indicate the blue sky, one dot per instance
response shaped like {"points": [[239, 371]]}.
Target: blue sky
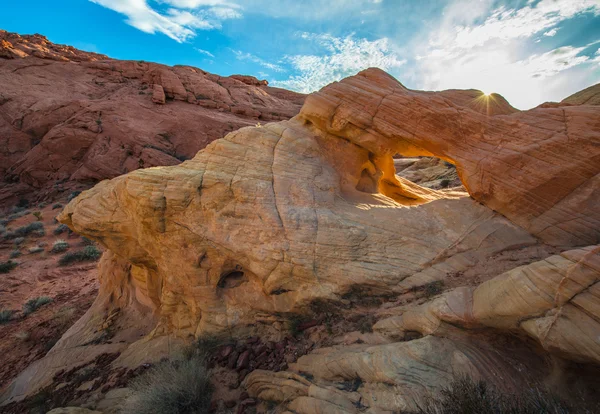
{"points": [[530, 51]]}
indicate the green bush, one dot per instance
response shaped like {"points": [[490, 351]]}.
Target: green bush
{"points": [[15, 253], [171, 387], [35, 228], [38, 215], [5, 316], [18, 240], [88, 254], [87, 242], [73, 195], [61, 229], [34, 304], [466, 396], [59, 246], [57, 206], [6, 267]]}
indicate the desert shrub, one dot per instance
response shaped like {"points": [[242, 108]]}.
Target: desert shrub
{"points": [[38, 215], [87, 254], [2, 229], [17, 210], [466, 396], [171, 387], [6, 267], [18, 240], [445, 183], [73, 195], [42, 205], [57, 206], [36, 249], [5, 316], [35, 228], [34, 304], [59, 246], [14, 216], [4, 222], [433, 288], [61, 229], [15, 253], [23, 203], [87, 242]]}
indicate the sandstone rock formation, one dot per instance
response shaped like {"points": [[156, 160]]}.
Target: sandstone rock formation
{"points": [[71, 116], [274, 220]]}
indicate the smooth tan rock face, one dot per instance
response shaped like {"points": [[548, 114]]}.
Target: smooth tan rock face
{"points": [[269, 219]]}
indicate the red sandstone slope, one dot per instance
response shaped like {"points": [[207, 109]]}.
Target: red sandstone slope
{"points": [[68, 116]]}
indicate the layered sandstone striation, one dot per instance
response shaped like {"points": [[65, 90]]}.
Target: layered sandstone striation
{"points": [[68, 116], [273, 220]]}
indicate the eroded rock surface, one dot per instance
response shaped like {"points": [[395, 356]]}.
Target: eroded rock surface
{"points": [[270, 220], [78, 117]]}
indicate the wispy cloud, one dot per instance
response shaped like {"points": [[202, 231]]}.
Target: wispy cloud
{"points": [[487, 48], [342, 57], [204, 52], [252, 58], [179, 22], [555, 61]]}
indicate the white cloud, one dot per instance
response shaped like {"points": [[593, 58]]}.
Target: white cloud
{"points": [[204, 52], [508, 24], [345, 57], [554, 61], [250, 57], [194, 4], [485, 48], [175, 22]]}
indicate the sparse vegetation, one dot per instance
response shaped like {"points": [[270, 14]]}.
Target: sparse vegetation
{"points": [[57, 206], [6, 267], [42, 205], [88, 254], [61, 229], [5, 316], [36, 249], [467, 396], [171, 387], [15, 253], [430, 289], [36, 228], [434, 288], [87, 242], [73, 195], [18, 241], [23, 203], [445, 183], [38, 215], [59, 246], [34, 304]]}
